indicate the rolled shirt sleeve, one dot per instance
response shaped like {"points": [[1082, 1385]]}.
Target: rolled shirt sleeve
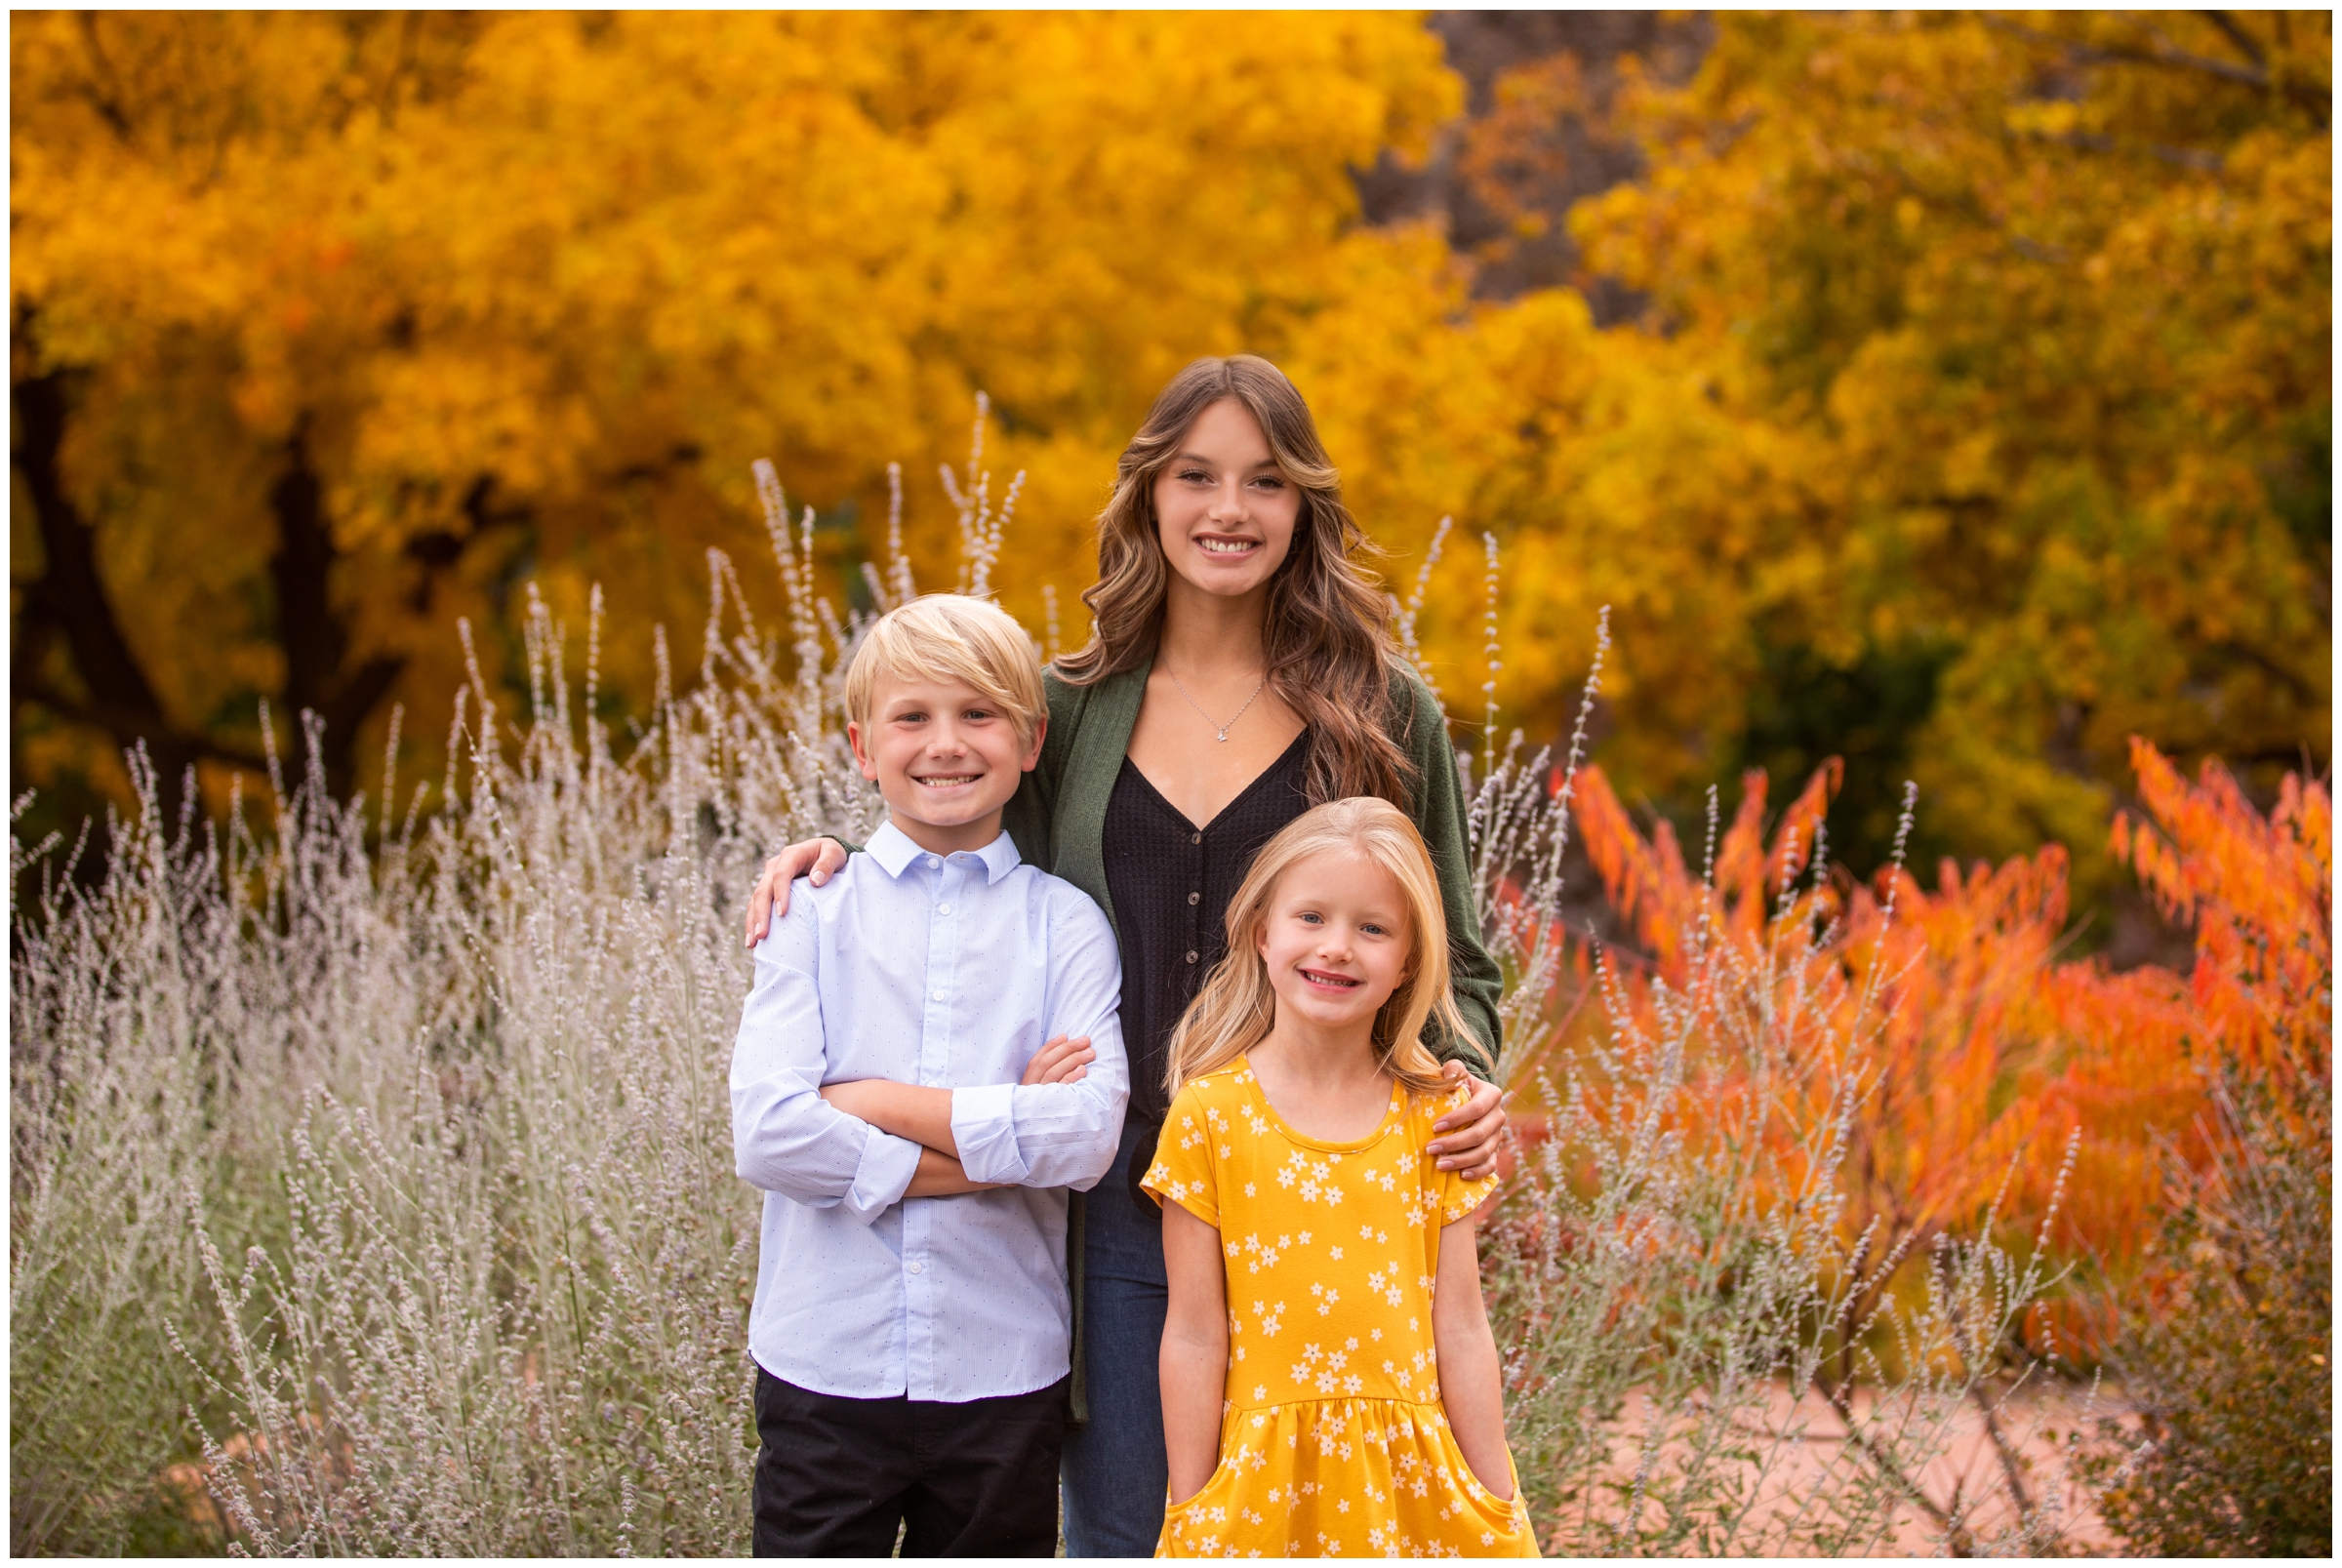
{"points": [[785, 1138], [1058, 1133]]}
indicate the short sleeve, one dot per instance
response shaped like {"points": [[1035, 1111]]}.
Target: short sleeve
{"points": [[1183, 1169], [1446, 1192]]}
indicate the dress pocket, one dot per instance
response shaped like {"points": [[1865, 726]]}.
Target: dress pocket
{"points": [[1198, 1525], [1478, 1489], [1218, 1481]]}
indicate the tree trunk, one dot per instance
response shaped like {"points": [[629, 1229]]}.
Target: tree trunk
{"points": [[68, 602], [314, 637]]}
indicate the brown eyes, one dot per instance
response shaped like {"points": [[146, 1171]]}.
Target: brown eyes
{"points": [[1268, 481]]}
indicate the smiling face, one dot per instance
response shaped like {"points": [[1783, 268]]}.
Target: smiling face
{"points": [[944, 756], [1336, 940], [1224, 512]]}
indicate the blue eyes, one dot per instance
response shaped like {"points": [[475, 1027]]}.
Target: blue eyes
{"points": [[1313, 917]]}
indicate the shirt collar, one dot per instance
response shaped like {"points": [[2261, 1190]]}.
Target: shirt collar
{"points": [[896, 852]]}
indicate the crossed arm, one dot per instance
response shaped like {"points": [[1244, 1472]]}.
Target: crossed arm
{"points": [[866, 1144], [923, 1115]]}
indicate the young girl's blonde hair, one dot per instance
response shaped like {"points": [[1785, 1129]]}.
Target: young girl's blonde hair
{"points": [[1237, 1008]]}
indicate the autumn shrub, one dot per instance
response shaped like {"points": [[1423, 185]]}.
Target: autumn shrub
{"points": [[2162, 1136], [2224, 1335], [1687, 1252]]}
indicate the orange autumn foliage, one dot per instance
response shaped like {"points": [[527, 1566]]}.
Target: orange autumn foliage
{"points": [[1990, 1058]]}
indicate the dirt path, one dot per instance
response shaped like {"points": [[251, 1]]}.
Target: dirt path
{"points": [[1970, 1481]]}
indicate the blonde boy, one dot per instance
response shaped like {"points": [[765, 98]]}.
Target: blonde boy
{"points": [[929, 1059]]}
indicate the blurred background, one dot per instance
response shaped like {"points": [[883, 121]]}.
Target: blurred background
{"points": [[1950, 393], [1939, 397]]}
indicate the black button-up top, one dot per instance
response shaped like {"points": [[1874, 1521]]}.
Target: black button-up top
{"points": [[1171, 881]]}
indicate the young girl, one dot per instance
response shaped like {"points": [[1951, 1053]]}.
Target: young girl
{"points": [[1330, 1386]]}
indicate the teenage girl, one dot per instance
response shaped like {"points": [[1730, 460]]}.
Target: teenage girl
{"points": [[1330, 1385], [1240, 669]]}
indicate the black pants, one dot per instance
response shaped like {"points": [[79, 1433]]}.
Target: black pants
{"points": [[837, 1476]]}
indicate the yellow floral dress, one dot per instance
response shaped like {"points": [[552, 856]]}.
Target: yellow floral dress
{"points": [[1332, 1441]]}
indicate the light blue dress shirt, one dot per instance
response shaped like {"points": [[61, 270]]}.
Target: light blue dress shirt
{"points": [[949, 970]]}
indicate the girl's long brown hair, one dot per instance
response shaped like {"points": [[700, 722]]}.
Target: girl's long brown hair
{"points": [[1327, 633], [1236, 1007]]}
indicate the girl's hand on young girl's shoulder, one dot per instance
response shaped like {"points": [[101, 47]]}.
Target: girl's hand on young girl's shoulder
{"points": [[1470, 1135]]}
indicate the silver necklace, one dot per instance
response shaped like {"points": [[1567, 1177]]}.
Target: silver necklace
{"points": [[1198, 706]]}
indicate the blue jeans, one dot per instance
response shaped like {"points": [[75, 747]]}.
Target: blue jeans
{"points": [[1115, 1472]]}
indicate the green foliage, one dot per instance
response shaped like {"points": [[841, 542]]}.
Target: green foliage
{"points": [[1806, 707]]}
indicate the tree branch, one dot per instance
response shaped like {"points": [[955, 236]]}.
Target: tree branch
{"points": [[2000, 1446], [2247, 45], [2171, 58], [31, 688], [1889, 1468]]}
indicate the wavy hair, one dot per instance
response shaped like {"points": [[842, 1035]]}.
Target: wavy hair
{"points": [[1236, 1007], [1326, 637]]}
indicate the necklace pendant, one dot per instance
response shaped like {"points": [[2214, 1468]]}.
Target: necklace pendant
{"points": [[1222, 734]]}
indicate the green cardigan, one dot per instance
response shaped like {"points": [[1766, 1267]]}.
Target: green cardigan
{"points": [[1057, 819]]}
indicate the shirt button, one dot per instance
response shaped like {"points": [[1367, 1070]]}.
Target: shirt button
{"points": [[1197, 839], [945, 908], [913, 1268], [938, 996], [934, 861], [1192, 897], [1190, 955]]}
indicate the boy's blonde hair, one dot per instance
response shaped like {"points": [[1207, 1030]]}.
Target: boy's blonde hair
{"points": [[950, 636], [1235, 1009]]}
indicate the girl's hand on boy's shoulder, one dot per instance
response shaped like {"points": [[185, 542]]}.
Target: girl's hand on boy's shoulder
{"points": [[818, 859], [1065, 1059]]}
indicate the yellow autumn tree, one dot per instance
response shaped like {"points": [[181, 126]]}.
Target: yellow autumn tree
{"points": [[1977, 417], [330, 329]]}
